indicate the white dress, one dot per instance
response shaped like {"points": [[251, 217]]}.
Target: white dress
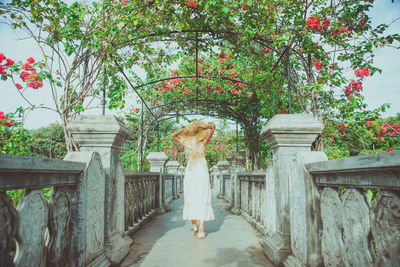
{"points": [[196, 184]]}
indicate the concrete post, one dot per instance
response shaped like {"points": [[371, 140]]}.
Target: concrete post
{"points": [[105, 135], [157, 162], [181, 172], [237, 161], [223, 166], [287, 134], [172, 167]]}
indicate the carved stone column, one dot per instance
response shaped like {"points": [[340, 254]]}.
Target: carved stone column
{"points": [[157, 164], [236, 160], [157, 161], [105, 135], [223, 166], [287, 134], [172, 167], [181, 172]]}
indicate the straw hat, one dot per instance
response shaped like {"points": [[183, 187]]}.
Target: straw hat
{"points": [[192, 131]]}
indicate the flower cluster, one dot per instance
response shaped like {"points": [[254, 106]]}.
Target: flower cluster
{"points": [[362, 72], [29, 75], [218, 147], [4, 66], [5, 120], [318, 64], [315, 24], [341, 129], [353, 88], [384, 128], [192, 3]]}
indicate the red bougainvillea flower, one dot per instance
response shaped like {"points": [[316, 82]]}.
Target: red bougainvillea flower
{"points": [[233, 91], [343, 30], [330, 138], [326, 23], [190, 92], [335, 32], [9, 62], [2, 117], [368, 123], [2, 57], [124, 2], [30, 60], [365, 72], [392, 132], [381, 138], [359, 73], [244, 7], [384, 128], [313, 23], [18, 86], [165, 150], [208, 87], [2, 71], [390, 149], [219, 89], [26, 66], [318, 64], [274, 36], [192, 3], [137, 110]]}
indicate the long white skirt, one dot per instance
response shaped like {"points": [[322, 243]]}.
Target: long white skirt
{"points": [[197, 192]]}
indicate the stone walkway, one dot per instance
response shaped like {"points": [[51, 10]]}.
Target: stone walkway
{"points": [[167, 240]]}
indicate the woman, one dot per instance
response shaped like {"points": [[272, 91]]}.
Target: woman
{"points": [[196, 186]]}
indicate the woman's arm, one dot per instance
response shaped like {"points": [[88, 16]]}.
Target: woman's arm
{"points": [[210, 133], [175, 136]]}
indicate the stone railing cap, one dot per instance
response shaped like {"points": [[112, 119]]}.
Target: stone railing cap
{"points": [[293, 123], [157, 156], [98, 124], [173, 163]]}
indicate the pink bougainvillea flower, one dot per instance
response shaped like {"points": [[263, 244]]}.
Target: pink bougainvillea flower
{"points": [[192, 3], [190, 92], [9, 62], [26, 66], [359, 73], [384, 128], [18, 86], [368, 123], [390, 149], [381, 138], [2, 117], [30, 60]]}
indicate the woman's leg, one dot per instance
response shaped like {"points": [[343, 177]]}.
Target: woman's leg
{"points": [[195, 230], [201, 230]]}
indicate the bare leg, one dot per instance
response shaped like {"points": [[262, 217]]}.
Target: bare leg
{"points": [[195, 230], [201, 230]]}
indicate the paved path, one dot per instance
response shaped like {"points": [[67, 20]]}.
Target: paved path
{"points": [[167, 240]]}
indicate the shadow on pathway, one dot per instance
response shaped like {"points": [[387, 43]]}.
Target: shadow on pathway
{"points": [[167, 240]]}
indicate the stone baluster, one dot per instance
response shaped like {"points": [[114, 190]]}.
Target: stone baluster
{"points": [[236, 160], [181, 172], [223, 166], [105, 135], [172, 167], [158, 161], [287, 134], [214, 171]]}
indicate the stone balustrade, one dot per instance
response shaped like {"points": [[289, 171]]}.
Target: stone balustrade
{"points": [[252, 198], [169, 185], [67, 229], [354, 231], [141, 198]]}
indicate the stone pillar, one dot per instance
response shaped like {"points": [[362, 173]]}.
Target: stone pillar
{"points": [[157, 164], [236, 160], [157, 161], [214, 175], [222, 166], [172, 167], [287, 134], [105, 135], [181, 172]]}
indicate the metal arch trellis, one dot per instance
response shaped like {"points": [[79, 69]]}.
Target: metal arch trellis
{"points": [[197, 77]]}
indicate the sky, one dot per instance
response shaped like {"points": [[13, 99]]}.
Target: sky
{"points": [[378, 89]]}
